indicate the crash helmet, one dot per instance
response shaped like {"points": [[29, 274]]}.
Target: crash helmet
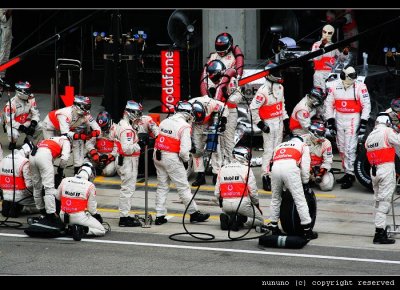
{"points": [[87, 171], [276, 76], [395, 105], [186, 109], [82, 105], [223, 44], [383, 118], [317, 130], [215, 70], [26, 149], [133, 110], [316, 97], [104, 121], [327, 32], [23, 90], [199, 112], [242, 154]]}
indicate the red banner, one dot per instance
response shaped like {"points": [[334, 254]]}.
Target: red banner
{"points": [[170, 80]]}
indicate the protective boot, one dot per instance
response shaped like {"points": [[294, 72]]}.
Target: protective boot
{"points": [[340, 180], [266, 180], [200, 179], [10, 209], [129, 222], [347, 181], [197, 216], [215, 178], [78, 231], [381, 237], [308, 233], [274, 228], [224, 220], [160, 220]]}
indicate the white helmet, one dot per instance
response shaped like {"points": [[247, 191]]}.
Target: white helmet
{"points": [[87, 171], [242, 154], [23, 90], [133, 110], [383, 118], [327, 32], [25, 150], [82, 105], [186, 109], [276, 76]]}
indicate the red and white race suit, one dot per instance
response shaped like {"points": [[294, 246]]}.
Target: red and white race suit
{"points": [[291, 169], [321, 156], [174, 143], [269, 106], [234, 181], [348, 107]]}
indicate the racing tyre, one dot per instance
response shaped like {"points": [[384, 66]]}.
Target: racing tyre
{"points": [[289, 217]]}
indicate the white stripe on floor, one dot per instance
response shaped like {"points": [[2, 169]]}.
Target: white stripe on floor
{"points": [[221, 250]]}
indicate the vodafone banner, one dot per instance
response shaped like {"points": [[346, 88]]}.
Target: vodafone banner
{"points": [[170, 80]]}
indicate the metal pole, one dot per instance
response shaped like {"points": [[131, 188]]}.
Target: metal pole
{"points": [[52, 94], [146, 193]]}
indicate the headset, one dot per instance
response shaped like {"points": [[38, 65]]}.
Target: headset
{"points": [[343, 74]]}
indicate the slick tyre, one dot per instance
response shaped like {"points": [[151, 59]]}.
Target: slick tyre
{"points": [[289, 217], [362, 169]]}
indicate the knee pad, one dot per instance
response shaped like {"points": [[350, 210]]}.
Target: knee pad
{"points": [[10, 209]]}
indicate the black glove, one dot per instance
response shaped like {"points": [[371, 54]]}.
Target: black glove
{"points": [[33, 124], [286, 126], [306, 188], [22, 128], [143, 139], [323, 43], [98, 217], [60, 171], [225, 92], [363, 127], [331, 125], [263, 127], [186, 165], [30, 130], [222, 126]]}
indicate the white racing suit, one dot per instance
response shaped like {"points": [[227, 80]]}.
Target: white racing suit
{"points": [[5, 38], [291, 169], [235, 96], [300, 120], [22, 113], [322, 157], [231, 186], [129, 151], [65, 121], [199, 138], [78, 199], [269, 106], [233, 60], [23, 179], [105, 144], [324, 64], [174, 143], [381, 154], [43, 171], [347, 106]]}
